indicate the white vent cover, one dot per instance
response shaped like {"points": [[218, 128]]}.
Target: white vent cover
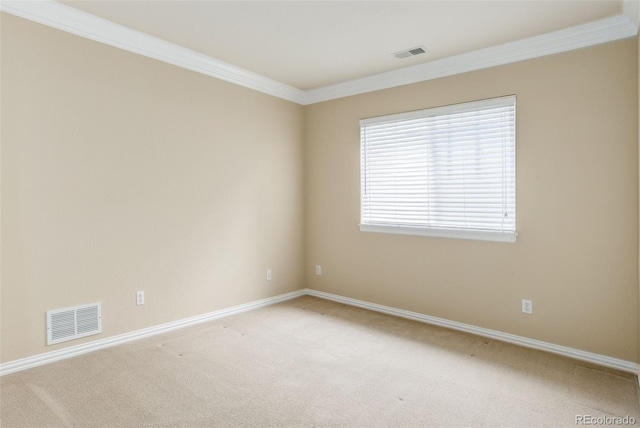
{"points": [[410, 52], [73, 323]]}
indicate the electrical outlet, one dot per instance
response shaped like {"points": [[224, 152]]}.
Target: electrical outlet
{"points": [[527, 307], [268, 274], [140, 298], [318, 270]]}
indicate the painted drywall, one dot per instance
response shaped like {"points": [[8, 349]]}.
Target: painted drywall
{"points": [[576, 256], [121, 173]]}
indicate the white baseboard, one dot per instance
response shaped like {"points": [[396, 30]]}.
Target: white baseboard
{"points": [[73, 351], [577, 354]]}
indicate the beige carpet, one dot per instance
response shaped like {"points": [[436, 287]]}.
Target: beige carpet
{"points": [[313, 363]]}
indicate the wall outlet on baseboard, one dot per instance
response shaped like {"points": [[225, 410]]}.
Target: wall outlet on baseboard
{"points": [[527, 307], [140, 298]]}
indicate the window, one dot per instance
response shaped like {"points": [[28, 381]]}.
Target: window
{"points": [[446, 171]]}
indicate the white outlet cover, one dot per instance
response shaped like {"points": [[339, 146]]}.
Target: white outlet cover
{"points": [[527, 306]]}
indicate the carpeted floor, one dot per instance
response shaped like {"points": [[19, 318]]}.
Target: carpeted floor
{"points": [[313, 363]]}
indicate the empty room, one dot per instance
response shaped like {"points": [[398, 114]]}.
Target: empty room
{"points": [[319, 213]]}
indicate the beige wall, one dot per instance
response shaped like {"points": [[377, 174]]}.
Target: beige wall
{"points": [[577, 207], [121, 173]]}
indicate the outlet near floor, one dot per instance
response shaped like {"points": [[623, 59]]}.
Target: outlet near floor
{"points": [[527, 307]]}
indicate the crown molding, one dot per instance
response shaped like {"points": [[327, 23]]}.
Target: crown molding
{"points": [[62, 17], [593, 33], [65, 18]]}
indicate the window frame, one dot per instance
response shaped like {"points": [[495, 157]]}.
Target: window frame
{"points": [[509, 236]]}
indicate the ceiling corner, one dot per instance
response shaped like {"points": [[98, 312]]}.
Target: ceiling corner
{"points": [[631, 8], [66, 18]]}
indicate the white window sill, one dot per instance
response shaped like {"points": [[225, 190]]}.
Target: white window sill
{"points": [[478, 235]]}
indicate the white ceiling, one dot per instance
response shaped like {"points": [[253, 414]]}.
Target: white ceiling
{"points": [[310, 44]]}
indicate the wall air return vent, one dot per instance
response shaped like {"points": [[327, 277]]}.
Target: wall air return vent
{"points": [[410, 52], [73, 323]]}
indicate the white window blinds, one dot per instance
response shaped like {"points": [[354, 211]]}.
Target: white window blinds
{"points": [[447, 171]]}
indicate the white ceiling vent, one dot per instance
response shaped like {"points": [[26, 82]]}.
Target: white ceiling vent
{"points": [[410, 52], [73, 323]]}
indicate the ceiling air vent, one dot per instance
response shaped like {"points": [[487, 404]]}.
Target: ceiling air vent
{"points": [[73, 323], [410, 52]]}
